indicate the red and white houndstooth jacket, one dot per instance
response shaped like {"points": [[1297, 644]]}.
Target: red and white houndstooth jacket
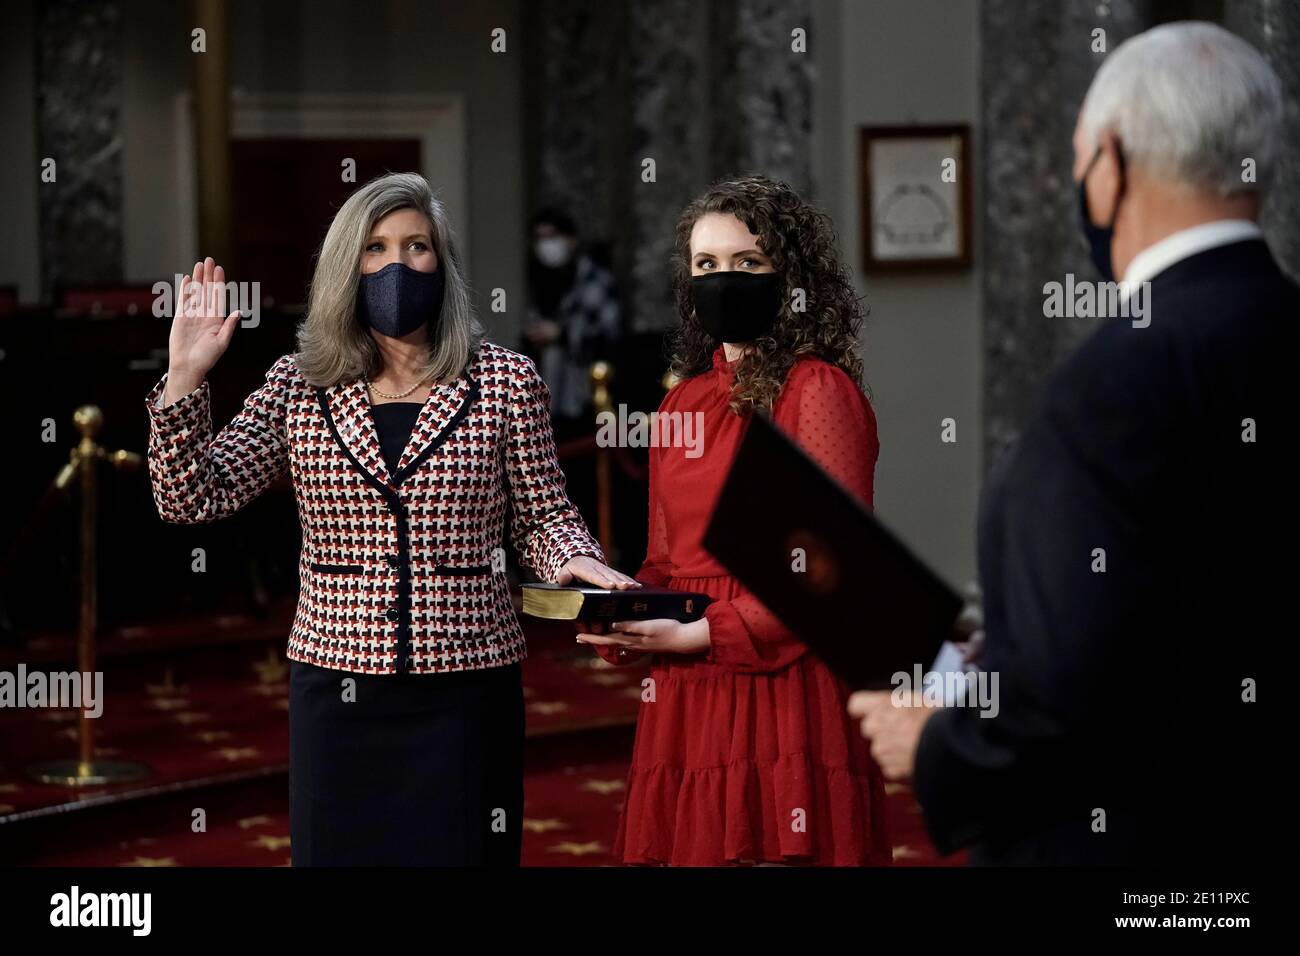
{"points": [[396, 570]]}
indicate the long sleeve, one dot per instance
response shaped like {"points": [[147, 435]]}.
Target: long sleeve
{"points": [[1090, 473], [197, 478], [828, 416], [547, 529]]}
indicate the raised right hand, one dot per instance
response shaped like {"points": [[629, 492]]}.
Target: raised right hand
{"points": [[200, 331]]}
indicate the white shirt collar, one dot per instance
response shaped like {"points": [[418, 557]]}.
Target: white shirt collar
{"points": [[1159, 256]]}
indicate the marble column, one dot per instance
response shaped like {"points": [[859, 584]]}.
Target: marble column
{"points": [[764, 88], [1037, 64], [671, 111], [79, 127], [576, 98], [1273, 27], [701, 89]]}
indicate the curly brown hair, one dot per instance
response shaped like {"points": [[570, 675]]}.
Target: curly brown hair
{"points": [[800, 241]]}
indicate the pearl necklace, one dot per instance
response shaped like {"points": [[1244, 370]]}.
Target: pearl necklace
{"points": [[385, 394]]}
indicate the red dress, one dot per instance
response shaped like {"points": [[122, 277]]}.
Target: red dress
{"points": [[747, 752]]}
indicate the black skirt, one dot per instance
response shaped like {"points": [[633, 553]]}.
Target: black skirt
{"points": [[416, 770]]}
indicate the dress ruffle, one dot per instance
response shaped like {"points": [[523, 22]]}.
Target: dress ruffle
{"points": [[733, 767]]}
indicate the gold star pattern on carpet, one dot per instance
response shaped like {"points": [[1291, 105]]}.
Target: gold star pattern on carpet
{"points": [[577, 849], [168, 687], [547, 708], [210, 736], [258, 821], [151, 861], [191, 717], [544, 826], [603, 787], [273, 843], [236, 753], [272, 670]]}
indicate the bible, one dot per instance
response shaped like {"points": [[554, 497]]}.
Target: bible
{"points": [[598, 605]]}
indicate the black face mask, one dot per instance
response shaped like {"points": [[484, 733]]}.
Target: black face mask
{"points": [[737, 306], [397, 299], [1099, 237]]}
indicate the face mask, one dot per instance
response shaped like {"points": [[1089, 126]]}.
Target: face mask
{"points": [[553, 251], [397, 299], [1099, 237], [737, 306]]}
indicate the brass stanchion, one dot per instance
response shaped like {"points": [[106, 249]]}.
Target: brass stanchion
{"points": [[86, 771], [601, 374]]}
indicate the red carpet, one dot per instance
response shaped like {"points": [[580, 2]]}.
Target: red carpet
{"points": [[211, 722]]}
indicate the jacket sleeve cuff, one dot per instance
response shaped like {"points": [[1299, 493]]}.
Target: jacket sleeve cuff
{"points": [[567, 546], [189, 406]]}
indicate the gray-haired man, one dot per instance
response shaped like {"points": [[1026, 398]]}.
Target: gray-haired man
{"points": [[1134, 545]]}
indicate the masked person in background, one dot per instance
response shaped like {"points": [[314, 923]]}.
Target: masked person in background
{"points": [[746, 753], [573, 318]]}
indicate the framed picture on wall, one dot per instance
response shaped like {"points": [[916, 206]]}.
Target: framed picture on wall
{"points": [[916, 200]]}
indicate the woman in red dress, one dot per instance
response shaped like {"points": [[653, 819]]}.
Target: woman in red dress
{"points": [[744, 752]]}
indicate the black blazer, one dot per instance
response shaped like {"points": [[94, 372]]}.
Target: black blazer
{"points": [[1122, 691]]}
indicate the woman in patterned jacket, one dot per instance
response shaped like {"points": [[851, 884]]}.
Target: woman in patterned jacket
{"points": [[406, 437]]}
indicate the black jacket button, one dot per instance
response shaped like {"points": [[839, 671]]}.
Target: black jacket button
{"points": [[392, 561], [391, 614]]}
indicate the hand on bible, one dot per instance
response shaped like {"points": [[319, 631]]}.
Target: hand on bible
{"points": [[587, 569]]}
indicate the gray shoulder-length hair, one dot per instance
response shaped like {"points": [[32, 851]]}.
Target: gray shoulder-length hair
{"points": [[333, 346]]}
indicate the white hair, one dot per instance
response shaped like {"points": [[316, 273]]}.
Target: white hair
{"points": [[1189, 103]]}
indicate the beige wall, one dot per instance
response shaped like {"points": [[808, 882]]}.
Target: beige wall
{"points": [[893, 62]]}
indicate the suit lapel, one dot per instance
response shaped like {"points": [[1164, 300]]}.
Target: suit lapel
{"points": [[350, 408], [437, 415]]}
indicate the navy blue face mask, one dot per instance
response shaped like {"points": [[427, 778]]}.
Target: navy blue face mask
{"points": [[397, 300], [1100, 237]]}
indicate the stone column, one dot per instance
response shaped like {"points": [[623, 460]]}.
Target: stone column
{"points": [[671, 108], [1037, 62], [576, 103], [79, 127], [763, 123], [1273, 27], [703, 90]]}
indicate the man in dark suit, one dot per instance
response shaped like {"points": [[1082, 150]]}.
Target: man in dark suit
{"points": [[1136, 545]]}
